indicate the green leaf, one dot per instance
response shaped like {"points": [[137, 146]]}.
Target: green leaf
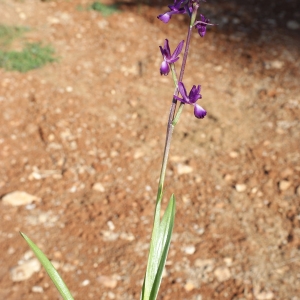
{"points": [[55, 277], [159, 247]]}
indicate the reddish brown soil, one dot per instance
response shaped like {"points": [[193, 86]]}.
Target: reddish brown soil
{"points": [[99, 116]]}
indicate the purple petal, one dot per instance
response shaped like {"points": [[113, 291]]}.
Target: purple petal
{"points": [[199, 111], [177, 50], [171, 60], [165, 17], [162, 51], [167, 49], [164, 68], [194, 94], [181, 100], [182, 91]]}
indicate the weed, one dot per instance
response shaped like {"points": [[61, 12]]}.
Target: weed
{"points": [[9, 33], [104, 9], [31, 57]]}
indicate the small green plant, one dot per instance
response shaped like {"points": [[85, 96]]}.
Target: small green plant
{"points": [[31, 57], [104, 9], [9, 33]]}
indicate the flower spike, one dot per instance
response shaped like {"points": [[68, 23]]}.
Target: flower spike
{"points": [[168, 58]]}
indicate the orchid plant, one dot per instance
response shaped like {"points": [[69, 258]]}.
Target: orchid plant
{"points": [[162, 227]]}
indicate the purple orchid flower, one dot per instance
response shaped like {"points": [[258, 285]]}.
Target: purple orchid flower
{"points": [[168, 58], [174, 9], [191, 99], [201, 25]]}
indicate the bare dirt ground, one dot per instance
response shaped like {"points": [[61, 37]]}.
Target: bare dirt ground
{"points": [[85, 135]]}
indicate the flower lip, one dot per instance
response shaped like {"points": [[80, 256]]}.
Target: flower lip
{"points": [[164, 68], [199, 112]]}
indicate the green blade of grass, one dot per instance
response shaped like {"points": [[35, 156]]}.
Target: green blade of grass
{"points": [[53, 274], [160, 244]]}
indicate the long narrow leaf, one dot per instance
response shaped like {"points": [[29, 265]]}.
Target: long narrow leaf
{"points": [[55, 277], [166, 229], [159, 247]]}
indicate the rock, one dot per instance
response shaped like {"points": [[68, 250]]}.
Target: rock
{"points": [[85, 282], [284, 185], [293, 25], [37, 289], [109, 236], [264, 296], [184, 169], [233, 154], [189, 249], [98, 187], [18, 198], [108, 281], [240, 188], [26, 270], [228, 261], [189, 286], [127, 236], [138, 154], [222, 274], [275, 64], [68, 267]]}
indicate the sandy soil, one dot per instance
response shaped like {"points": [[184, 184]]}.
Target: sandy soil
{"points": [[86, 134]]}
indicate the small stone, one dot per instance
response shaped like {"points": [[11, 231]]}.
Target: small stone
{"points": [[111, 295], [138, 154], [85, 282], [109, 236], [127, 236], [228, 261], [222, 274], [293, 25], [284, 185], [189, 286], [184, 169], [37, 289], [69, 89], [111, 225], [18, 198], [189, 249], [233, 154], [68, 267], [275, 64], [98, 187], [26, 270], [108, 281], [240, 188], [264, 296]]}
